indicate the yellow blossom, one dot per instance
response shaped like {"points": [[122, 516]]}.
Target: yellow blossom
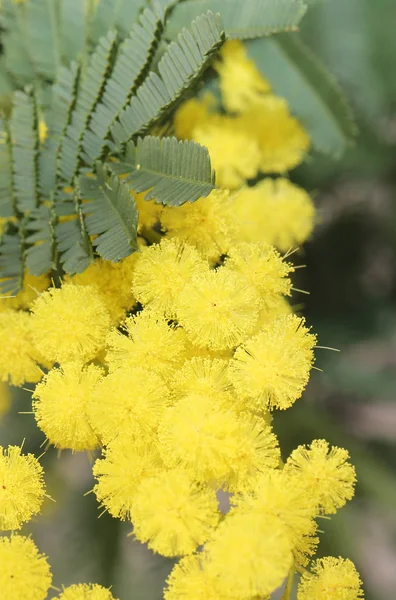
{"points": [[129, 401], [330, 579], [272, 368], [84, 591], [60, 406], [149, 211], [174, 514], [69, 323], [249, 555], [189, 579], [192, 114], [201, 375], [274, 211], [207, 224], [325, 473], [126, 462], [234, 152], [149, 342], [281, 140], [21, 487], [162, 271], [218, 309], [241, 84], [25, 573], [19, 357]]}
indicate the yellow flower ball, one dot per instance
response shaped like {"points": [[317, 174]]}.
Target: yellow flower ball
{"points": [[162, 270], [330, 579], [22, 488], [24, 573], [218, 309], [272, 368], [202, 375], [126, 462], [189, 579], [274, 211], [173, 514], [128, 402], [19, 357], [84, 591], [325, 472], [61, 403], [249, 555], [70, 323]]}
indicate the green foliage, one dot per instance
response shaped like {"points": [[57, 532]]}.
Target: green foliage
{"points": [[111, 214], [40, 239], [242, 20], [313, 95], [173, 171], [12, 246]]}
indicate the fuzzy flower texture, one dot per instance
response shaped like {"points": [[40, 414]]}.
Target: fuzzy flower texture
{"points": [[174, 362]]}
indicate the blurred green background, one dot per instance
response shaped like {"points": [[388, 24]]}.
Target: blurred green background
{"points": [[351, 277]]}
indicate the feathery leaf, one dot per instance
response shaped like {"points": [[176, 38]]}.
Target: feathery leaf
{"points": [[312, 93], [44, 36], [182, 64], [73, 242], [6, 176], [242, 20], [173, 171], [40, 237], [120, 14], [11, 259], [111, 214]]}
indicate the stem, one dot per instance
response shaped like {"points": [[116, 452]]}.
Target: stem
{"points": [[289, 585]]}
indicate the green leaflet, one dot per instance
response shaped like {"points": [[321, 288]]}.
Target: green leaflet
{"points": [[242, 19], [11, 259], [110, 214], [6, 177], [73, 243], [313, 95], [75, 29], [174, 172], [57, 118], [40, 238], [132, 61], [14, 39], [25, 144], [120, 14], [44, 38], [182, 64], [89, 93]]}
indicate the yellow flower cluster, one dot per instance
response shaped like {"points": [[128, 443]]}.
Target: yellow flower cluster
{"points": [[172, 363]]}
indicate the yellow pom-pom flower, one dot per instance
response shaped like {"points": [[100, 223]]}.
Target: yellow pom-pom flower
{"points": [[325, 472], [249, 556], [281, 139], [241, 84], [149, 342], [272, 368], [215, 444], [22, 488], [263, 267], [274, 211], [192, 114], [126, 462], [174, 514], [277, 495], [60, 406], [130, 401], [201, 375], [149, 212], [70, 323], [85, 591], [19, 358], [207, 224], [331, 579], [24, 573], [189, 579], [218, 309], [112, 287], [162, 271], [234, 153]]}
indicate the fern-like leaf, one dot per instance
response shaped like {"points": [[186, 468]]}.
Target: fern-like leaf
{"points": [[44, 36], [182, 64], [15, 41], [11, 259], [41, 241], [173, 171], [73, 242], [57, 118], [312, 93], [130, 67], [6, 177], [119, 14], [88, 96], [111, 214], [25, 144], [242, 20]]}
